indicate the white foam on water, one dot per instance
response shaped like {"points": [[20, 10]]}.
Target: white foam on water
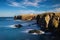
{"points": [[20, 21], [42, 32], [12, 26], [34, 33], [27, 30]]}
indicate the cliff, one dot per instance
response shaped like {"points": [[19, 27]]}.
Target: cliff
{"points": [[49, 21], [25, 17]]}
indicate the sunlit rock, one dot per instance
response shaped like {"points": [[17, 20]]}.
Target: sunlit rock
{"points": [[25, 17], [48, 21]]}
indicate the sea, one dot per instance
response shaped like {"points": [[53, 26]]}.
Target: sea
{"points": [[8, 31]]}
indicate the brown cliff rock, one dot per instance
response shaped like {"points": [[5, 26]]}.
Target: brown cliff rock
{"points": [[48, 21], [26, 17]]}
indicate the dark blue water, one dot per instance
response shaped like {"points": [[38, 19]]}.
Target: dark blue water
{"points": [[9, 32]]}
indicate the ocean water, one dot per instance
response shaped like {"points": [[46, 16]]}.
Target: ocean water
{"points": [[9, 32]]}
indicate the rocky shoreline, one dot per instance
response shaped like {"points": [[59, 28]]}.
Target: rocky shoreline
{"points": [[48, 22]]}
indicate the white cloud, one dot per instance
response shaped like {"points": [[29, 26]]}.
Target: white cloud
{"points": [[25, 3], [14, 4], [30, 11], [35, 3], [38, 12], [57, 9], [54, 10], [56, 5]]}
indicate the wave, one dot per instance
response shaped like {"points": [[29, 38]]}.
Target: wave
{"points": [[34, 34], [12, 26], [27, 30], [20, 21], [8, 19]]}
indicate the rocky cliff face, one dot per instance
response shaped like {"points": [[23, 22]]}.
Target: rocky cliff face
{"points": [[26, 17], [48, 21]]}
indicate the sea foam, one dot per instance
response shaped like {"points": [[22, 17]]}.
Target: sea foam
{"points": [[27, 30], [12, 26]]}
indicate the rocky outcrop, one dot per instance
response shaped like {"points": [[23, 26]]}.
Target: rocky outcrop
{"points": [[18, 25], [17, 17], [49, 21], [36, 32], [25, 17]]}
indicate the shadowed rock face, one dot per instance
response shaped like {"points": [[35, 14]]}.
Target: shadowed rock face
{"points": [[48, 21], [18, 25], [18, 17], [36, 31]]}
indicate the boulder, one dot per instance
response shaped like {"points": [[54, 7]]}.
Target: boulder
{"points": [[36, 31], [18, 25]]}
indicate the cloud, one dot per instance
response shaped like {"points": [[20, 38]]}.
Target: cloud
{"points": [[24, 3], [34, 3], [14, 4], [30, 11], [57, 9], [56, 5], [38, 12], [54, 10]]}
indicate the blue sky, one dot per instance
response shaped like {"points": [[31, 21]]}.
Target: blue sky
{"points": [[17, 7]]}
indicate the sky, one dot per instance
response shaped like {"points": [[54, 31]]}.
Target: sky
{"points": [[16, 7]]}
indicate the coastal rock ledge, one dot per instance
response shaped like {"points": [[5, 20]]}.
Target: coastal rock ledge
{"points": [[48, 22]]}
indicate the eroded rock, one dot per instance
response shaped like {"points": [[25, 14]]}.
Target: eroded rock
{"points": [[18, 25], [48, 21], [36, 31]]}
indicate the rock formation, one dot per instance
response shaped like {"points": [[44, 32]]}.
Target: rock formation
{"points": [[18, 25], [17, 17], [48, 21], [36, 31], [25, 17]]}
